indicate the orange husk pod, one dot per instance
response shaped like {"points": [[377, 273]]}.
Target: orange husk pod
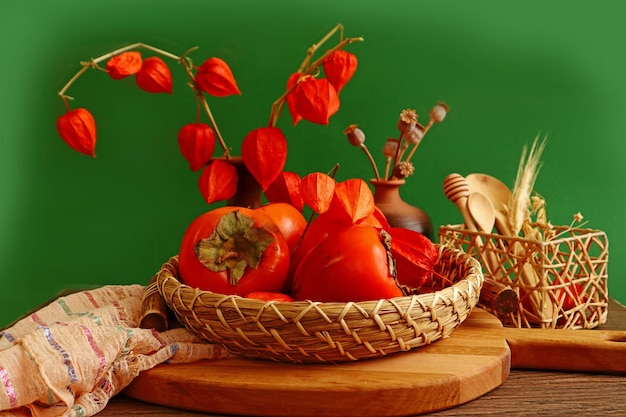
{"points": [[292, 99], [264, 152], [415, 255], [317, 191], [316, 100], [154, 76], [218, 181], [216, 78], [124, 64], [197, 143], [78, 129], [286, 189], [339, 68], [354, 199]]}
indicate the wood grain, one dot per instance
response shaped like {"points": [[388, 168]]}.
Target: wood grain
{"points": [[438, 376], [525, 393]]}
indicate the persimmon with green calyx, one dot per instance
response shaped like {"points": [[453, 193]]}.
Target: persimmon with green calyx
{"points": [[233, 250], [352, 264]]}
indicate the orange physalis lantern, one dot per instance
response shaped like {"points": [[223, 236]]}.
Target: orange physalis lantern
{"points": [[316, 100], [264, 151], [196, 142], [339, 67], [354, 198], [286, 189], [291, 98], [317, 191], [154, 76], [218, 181], [124, 64], [215, 78], [78, 129]]}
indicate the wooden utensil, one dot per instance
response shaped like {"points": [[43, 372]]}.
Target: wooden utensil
{"points": [[482, 211], [475, 359], [499, 195], [457, 188], [497, 296]]}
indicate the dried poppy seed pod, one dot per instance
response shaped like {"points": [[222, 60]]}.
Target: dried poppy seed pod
{"points": [[356, 137], [438, 112], [414, 135], [402, 170], [407, 120], [390, 148]]}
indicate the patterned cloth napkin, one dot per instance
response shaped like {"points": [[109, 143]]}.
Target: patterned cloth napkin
{"points": [[70, 357]]}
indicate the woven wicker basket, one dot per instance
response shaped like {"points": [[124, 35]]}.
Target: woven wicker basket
{"points": [[312, 332], [571, 273]]}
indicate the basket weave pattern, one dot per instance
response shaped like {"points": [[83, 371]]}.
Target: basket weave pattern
{"points": [[313, 332], [571, 271]]}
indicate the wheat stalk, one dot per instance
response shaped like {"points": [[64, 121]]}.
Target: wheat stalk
{"points": [[527, 171]]}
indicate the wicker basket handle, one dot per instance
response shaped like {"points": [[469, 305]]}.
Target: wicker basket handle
{"points": [[154, 311]]}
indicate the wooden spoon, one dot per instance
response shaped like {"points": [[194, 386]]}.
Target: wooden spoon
{"points": [[499, 195], [482, 211]]}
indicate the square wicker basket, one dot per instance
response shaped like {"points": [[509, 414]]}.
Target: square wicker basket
{"points": [[561, 282]]}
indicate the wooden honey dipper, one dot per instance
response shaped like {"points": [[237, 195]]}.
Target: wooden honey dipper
{"points": [[456, 189], [496, 295]]}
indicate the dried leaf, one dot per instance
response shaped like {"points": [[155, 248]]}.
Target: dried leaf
{"points": [[196, 142], [154, 76], [124, 64], [264, 151], [218, 181], [339, 67], [215, 78], [286, 189], [316, 100], [317, 191], [354, 198], [78, 129]]}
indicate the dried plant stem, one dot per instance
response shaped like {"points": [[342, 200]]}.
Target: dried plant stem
{"points": [[412, 152], [528, 169], [183, 60], [387, 166], [518, 209], [204, 103], [372, 161], [308, 68]]}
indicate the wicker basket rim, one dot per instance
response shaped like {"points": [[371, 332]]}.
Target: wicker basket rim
{"points": [[473, 276]]}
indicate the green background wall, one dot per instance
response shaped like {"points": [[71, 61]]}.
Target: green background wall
{"points": [[508, 72]]}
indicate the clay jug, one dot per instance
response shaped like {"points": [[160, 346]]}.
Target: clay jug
{"points": [[399, 213]]}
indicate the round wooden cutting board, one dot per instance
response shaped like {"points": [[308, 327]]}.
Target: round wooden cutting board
{"points": [[470, 363]]}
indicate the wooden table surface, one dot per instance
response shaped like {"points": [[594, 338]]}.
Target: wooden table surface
{"points": [[524, 393]]}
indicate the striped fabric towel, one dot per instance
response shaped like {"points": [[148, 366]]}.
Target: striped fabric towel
{"points": [[70, 357]]}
